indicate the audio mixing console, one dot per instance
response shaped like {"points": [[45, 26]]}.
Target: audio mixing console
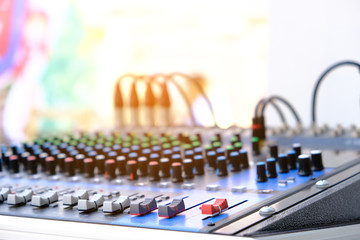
{"points": [[194, 180]]}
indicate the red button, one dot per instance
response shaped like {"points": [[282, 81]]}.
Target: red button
{"points": [[219, 206]]}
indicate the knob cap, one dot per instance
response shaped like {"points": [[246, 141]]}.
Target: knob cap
{"points": [[143, 166], [297, 149], [100, 164], [60, 160], [261, 172], [188, 168], [273, 150], [89, 167], [165, 167], [199, 165], [14, 164], [304, 165], [50, 166], [221, 166], [154, 171], [32, 165], [235, 161], [110, 167], [79, 162], [121, 165], [131, 168], [244, 158], [316, 159], [292, 159], [176, 158], [283, 163], [69, 167], [211, 159], [271, 167], [176, 172]]}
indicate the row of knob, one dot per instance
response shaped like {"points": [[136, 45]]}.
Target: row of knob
{"points": [[306, 165]]}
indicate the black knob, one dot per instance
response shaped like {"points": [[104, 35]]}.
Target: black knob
{"points": [[261, 172], [176, 172], [273, 149], [198, 151], [165, 167], [131, 168], [69, 167], [255, 146], [221, 166], [50, 166], [23, 158], [110, 167], [304, 165], [283, 163], [176, 158], [292, 159], [100, 164], [89, 167], [42, 156], [154, 171], [199, 165], [189, 154], [14, 164], [154, 157], [297, 149], [112, 154], [167, 153], [244, 159], [146, 152], [6, 157], [143, 166], [79, 162], [271, 167], [316, 159], [156, 149], [121, 165], [211, 159], [60, 160], [32, 165], [220, 152], [235, 161], [188, 168]]}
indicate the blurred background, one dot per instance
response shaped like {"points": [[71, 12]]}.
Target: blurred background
{"points": [[60, 60]]}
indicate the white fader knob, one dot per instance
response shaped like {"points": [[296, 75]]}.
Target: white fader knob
{"points": [[93, 203], [44, 199], [4, 194], [118, 205], [20, 198], [72, 199]]}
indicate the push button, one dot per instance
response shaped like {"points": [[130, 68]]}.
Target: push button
{"points": [[220, 205]]}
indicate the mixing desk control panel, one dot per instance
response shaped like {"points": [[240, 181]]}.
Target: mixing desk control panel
{"points": [[159, 178]]}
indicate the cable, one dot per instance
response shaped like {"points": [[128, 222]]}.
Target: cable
{"points": [[200, 89], [291, 108], [182, 93], [277, 108], [343, 63]]}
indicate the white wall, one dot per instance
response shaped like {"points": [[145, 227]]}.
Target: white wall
{"points": [[307, 36]]}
